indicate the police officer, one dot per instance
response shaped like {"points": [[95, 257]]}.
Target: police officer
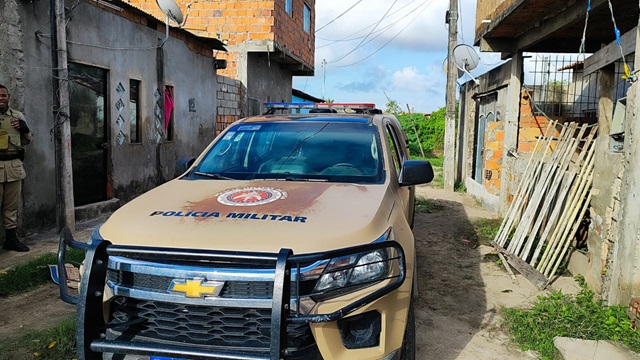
{"points": [[14, 134]]}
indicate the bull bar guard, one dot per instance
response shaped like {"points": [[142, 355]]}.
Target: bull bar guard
{"points": [[90, 339]]}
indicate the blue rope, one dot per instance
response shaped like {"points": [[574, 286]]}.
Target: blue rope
{"points": [[627, 72]]}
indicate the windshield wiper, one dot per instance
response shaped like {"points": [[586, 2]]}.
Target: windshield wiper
{"points": [[213, 175]]}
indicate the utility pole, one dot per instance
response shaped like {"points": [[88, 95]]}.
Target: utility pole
{"points": [[450, 119], [65, 210], [324, 75]]}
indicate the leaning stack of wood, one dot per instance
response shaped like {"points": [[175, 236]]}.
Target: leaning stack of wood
{"points": [[551, 200]]}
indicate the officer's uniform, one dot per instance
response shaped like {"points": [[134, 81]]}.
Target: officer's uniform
{"points": [[11, 170]]}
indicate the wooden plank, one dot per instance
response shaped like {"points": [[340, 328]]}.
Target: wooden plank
{"points": [[554, 189], [574, 209], [569, 239], [506, 266], [611, 52], [570, 211], [526, 270], [522, 192], [540, 188]]}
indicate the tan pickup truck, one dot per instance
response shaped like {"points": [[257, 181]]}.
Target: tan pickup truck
{"points": [[289, 237]]}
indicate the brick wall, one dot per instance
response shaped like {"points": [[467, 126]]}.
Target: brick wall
{"points": [[530, 126], [229, 95], [236, 22], [494, 144], [289, 30]]}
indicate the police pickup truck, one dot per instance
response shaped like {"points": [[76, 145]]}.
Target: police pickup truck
{"points": [[288, 237]]}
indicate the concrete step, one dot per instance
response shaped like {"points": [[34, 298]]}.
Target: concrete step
{"points": [[95, 210], [577, 349]]}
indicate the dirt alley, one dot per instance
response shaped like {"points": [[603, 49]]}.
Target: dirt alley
{"points": [[461, 288]]}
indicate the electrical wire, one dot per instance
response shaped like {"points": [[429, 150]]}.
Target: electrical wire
{"points": [[339, 16], [379, 31], [426, 5], [347, 38], [363, 40]]}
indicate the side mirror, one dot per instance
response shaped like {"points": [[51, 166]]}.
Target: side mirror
{"points": [[182, 165], [415, 172]]}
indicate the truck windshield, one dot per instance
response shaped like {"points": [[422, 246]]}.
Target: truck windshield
{"points": [[297, 151]]}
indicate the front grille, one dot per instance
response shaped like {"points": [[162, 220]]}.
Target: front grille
{"points": [[200, 326], [231, 289]]}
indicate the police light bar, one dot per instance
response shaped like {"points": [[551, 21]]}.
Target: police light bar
{"points": [[303, 105]]}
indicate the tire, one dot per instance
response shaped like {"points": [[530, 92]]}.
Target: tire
{"points": [[409, 342]]}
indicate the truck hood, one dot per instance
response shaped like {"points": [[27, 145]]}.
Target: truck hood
{"points": [[257, 216]]}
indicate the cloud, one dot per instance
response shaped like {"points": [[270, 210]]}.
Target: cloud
{"points": [[369, 80], [409, 79], [402, 57]]}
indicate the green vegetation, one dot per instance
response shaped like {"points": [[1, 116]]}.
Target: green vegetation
{"points": [[460, 187], [25, 277], [438, 180], [55, 343], [579, 316], [436, 161], [486, 230], [430, 130], [424, 205]]}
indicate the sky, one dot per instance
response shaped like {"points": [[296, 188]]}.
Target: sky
{"points": [[387, 49]]}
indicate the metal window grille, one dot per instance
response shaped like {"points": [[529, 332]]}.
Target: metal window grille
{"points": [[559, 87]]}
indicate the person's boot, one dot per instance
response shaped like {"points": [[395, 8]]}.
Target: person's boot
{"points": [[12, 243]]}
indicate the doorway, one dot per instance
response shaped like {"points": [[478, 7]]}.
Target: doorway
{"points": [[89, 135]]}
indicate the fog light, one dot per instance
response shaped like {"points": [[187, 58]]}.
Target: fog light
{"points": [[361, 331]]}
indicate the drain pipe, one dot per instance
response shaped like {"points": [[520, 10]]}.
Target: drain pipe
{"points": [[166, 28]]}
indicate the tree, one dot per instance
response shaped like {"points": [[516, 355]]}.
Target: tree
{"points": [[392, 107], [430, 132]]}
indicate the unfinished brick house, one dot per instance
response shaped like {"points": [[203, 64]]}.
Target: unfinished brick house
{"points": [[504, 116], [268, 43]]}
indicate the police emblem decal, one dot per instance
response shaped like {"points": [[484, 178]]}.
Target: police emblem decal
{"points": [[251, 196]]}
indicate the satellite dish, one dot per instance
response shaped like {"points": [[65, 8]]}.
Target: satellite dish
{"points": [[172, 10], [466, 59], [445, 65]]}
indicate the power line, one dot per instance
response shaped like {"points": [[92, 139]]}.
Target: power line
{"points": [[338, 17], [425, 4], [363, 40], [347, 38]]}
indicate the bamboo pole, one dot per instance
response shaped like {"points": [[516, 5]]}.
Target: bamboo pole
{"points": [[569, 211], [415, 130], [537, 159], [575, 207], [569, 239], [555, 186], [523, 188], [555, 224], [540, 188]]}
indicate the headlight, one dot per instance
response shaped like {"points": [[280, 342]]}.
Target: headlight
{"points": [[354, 270]]}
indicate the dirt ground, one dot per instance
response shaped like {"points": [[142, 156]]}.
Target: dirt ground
{"points": [[461, 288]]}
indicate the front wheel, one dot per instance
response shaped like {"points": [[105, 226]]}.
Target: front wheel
{"points": [[409, 342]]}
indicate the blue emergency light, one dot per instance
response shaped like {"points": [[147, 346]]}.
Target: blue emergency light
{"points": [[357, 107]]}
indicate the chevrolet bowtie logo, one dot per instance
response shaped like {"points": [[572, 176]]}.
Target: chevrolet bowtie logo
{"points": [[196, 288]]}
